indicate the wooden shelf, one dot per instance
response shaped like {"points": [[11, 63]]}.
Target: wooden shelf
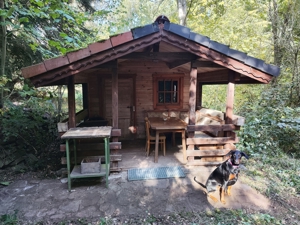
{"points": [[76, 172]]}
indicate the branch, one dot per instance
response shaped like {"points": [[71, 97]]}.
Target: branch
{"points": [[187, 13]]}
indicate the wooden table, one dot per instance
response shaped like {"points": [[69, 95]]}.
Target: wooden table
{"points": [[87, 132], [172, 124]]}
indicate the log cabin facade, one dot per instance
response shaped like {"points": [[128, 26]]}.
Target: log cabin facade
{"points": [[150, 70]]}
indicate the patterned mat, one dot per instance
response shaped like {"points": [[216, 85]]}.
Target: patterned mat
{"points": [[155, 173]]}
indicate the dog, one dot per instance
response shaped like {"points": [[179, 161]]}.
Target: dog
{"points": [[224, 176]]}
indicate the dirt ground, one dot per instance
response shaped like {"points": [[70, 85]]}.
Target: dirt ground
{"points": [[38, 199]]}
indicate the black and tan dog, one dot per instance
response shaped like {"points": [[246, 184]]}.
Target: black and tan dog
{"points": [[224, 176]]}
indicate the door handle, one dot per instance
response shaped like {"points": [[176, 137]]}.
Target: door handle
{"points": [[131, 107]]}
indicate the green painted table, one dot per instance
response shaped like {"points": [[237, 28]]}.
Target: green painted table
{"points": [[87, 132]]}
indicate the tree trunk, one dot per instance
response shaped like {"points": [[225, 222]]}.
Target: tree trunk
{"points": [[3, 52], [182, 12], [275, 30]]}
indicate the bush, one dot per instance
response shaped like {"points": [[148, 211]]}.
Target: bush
{"points": [[271, 126], [27, 130]]}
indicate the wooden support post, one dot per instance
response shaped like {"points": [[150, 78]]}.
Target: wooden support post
{"points": [[71, 102], [85, 96], [192, 106], [192, 97], [115, 98], [230, 99], [199, 90]]}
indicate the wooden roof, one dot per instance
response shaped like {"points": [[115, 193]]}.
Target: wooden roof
{"points": [[163, 42]]}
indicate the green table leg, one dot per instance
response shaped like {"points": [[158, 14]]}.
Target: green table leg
{"points": [[75, 151], [107, 159], [68, 164]]}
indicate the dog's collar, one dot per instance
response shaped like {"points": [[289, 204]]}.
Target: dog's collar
{"points": [[234, 166]]}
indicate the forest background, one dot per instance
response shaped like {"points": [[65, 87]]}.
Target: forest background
{"points": [[34, 30]]}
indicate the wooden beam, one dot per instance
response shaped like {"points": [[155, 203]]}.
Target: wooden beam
{"points": [[211, 141], [177, 63], [161, 56], [201, 153], [208, 64], [115, 95], [116, 132], [199, 94], [220, 75], [71, 102], [212, 128], [192, 98], [85, 96]]}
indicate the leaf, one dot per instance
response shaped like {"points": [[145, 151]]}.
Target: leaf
{"points": [[23, 20], [10, 11], [69, 17], [5, 183]]}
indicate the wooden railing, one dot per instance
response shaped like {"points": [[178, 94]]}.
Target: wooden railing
{"points": [[210, 149]]}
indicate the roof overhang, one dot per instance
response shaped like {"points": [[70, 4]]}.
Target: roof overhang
{"points": [[172, 44]]}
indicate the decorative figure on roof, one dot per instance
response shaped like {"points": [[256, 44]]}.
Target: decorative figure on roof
{"points": [[162, 19]]}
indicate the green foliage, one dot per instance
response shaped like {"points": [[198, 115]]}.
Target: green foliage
{"points": [[9, 219], [272, 127], [239, 217], [27, 131], [37, 30], [214, 97], [279, 173], [242, 25], [135, 13]]}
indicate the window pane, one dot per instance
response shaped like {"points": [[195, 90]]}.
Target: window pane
{"points": [[160, 97], [161, 85], [175, 85], [168, 85], [175, 97], [168, 98]]}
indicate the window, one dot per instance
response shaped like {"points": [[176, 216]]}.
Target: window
{"points": [[167, 91]]}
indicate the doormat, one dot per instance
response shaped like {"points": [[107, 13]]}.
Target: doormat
{"points": [[155, 173]]}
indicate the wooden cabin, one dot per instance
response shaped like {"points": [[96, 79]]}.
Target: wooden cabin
{"points": [[152, 70]]}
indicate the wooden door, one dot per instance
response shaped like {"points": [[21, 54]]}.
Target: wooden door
{"points": [[126, 105]]}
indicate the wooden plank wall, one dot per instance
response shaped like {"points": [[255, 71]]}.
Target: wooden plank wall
{"points": [[144, 95], [125, 100], [95, 96]]}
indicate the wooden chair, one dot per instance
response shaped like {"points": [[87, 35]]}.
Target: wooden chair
{"points": [[151, 139]]}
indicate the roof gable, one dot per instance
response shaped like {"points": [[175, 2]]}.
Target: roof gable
{"points": [[144, 37]]}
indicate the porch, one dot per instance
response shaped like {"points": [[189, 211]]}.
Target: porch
{"points": [[133, 154]]}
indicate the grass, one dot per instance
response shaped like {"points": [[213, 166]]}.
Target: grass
{"points": [[276, 177]]}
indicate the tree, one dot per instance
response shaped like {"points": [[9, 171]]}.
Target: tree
{"points": [[3, 53], [34, 30], [284, 17], [182, 11]]}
